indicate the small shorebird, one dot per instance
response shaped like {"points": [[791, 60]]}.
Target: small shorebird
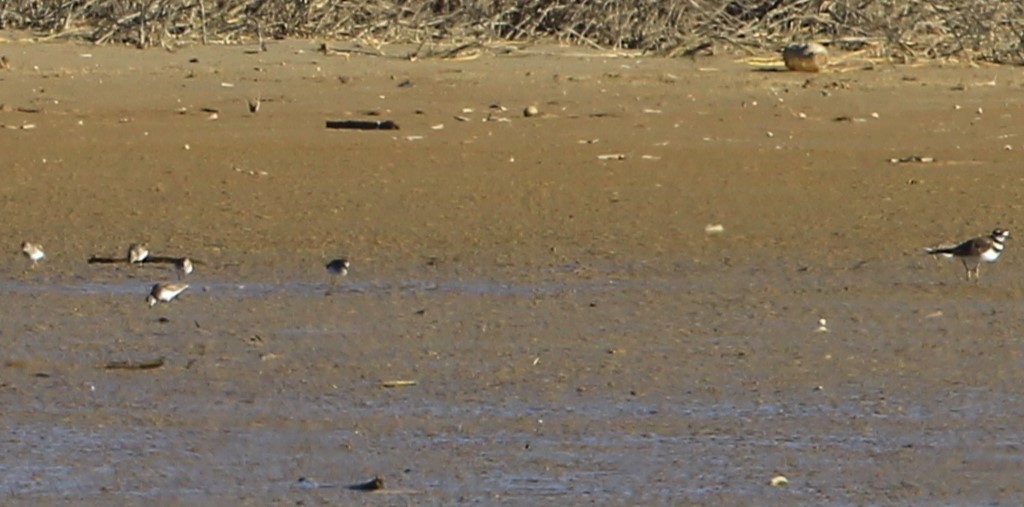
{"points": [[165, 292], [137, 253], [184, 266], [975, 251], [33, 251], [338, 268]]}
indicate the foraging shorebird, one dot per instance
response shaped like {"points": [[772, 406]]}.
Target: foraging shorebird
{"points": [[165, 292], [184, 266], [338, 268], [33, 251], [137, 252], [975, 251]]}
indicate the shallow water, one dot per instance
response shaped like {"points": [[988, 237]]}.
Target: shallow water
{"points": [[304, 288], [547, 391]]}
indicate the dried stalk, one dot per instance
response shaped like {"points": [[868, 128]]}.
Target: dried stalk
{"points": [[974, 29]]}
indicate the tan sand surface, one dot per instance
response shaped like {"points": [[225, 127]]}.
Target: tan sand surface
{"points": [[575, 335]]}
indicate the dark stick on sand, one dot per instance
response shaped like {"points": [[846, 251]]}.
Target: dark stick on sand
{"points": [[152, 259], [362, 124], [129, 364], [107, 260], [376, 484]]}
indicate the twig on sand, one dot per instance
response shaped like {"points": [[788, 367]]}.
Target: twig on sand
{"points": [[129, 364], [376, 484], [398, 383]]}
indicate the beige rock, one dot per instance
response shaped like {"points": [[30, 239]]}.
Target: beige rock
{"points": [[809, 57]]}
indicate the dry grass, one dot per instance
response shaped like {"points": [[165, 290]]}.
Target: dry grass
{"points": [[905, 29]]}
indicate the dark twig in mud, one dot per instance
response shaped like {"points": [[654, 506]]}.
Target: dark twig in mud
{"points": [[398, 383], [152, 259], [362, 124], [135, 365], [376, 484], [107, 260]]}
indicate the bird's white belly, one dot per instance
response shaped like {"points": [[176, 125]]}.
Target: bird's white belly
{"points": [[990, 255]]}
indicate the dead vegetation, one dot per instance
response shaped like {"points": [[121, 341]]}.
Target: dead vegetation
{"points": [[906, 30]]}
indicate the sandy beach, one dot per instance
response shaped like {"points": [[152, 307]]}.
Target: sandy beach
{"points": [[562, 324]]}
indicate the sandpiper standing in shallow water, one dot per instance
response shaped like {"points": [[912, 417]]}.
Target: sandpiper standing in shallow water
{"points": [[338, 268], [165, 292], [137, 253], [184, 266], [33, 251], [976, 250]]}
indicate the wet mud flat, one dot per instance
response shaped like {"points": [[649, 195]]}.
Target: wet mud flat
{"points": [[653, 390], [574, 334]]}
